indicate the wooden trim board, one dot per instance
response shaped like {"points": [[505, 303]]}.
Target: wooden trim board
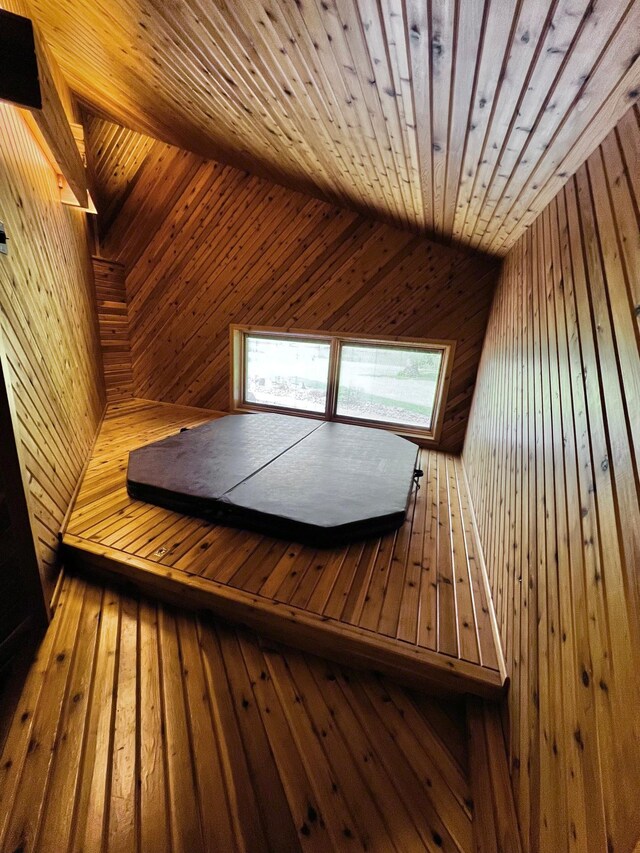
{"points": [[495, 824]]}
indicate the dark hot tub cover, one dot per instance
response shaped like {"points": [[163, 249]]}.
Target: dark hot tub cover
{"points": [[316, 482]]}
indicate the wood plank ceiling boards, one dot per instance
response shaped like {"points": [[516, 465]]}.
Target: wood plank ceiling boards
{"points": [[457, 118], [278, 136]]}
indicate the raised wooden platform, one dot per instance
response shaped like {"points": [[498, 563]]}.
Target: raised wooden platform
{"points": [[413, 604]]}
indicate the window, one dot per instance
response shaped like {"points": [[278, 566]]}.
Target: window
{"points": [[388, 383], [393, 383], [288, 373]]}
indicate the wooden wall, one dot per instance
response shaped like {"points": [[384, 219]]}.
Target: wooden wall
{"points": [[206, 245], [48, 324], [113, 320], [115, 156], [552, 459]]}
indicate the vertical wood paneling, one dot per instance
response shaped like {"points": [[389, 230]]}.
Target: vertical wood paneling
{"points": [[47, 314], [205, 245], [552, 460], [495, 823]]}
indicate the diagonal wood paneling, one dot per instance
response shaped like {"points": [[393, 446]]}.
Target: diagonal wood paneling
{"points": [[114, 158], [145, 728], [459, 118], [205, 245], [552, 455], [49, 329]]}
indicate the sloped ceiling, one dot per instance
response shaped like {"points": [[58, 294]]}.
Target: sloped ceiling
{"points": [[115, 157], [456, 118]]}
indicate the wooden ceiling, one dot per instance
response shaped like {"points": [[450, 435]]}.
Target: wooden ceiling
{"points": [[457, 117]]}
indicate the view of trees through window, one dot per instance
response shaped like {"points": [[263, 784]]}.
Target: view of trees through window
{"points": [[391, 384], [289, 374], [381, 382]]}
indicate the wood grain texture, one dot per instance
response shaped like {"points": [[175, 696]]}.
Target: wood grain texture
{"points": [[552, 459], [416, 600], [113, 320], [49, 328], [146, 728], [115, 157], [205, 245], [495, 823], [51, 119], [457, 118]]}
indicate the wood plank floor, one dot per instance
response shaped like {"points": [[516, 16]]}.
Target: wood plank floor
{"points": [[146, 728], [413, 604]]}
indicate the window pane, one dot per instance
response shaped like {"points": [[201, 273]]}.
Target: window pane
{"points": [[392, 384], [291, 374]]}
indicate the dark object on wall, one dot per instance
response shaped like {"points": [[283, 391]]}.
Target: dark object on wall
{"points": [[318, 483], [23, 613], [19, 81]]}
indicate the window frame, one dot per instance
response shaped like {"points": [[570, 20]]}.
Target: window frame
{"points": [[336, 340]]}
